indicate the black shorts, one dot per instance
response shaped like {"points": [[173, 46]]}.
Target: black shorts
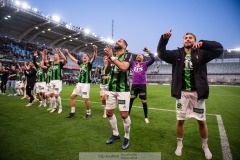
{"points": [[139, 89]]}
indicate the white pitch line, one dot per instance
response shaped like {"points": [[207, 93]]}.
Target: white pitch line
{"points": [[227, 155]]}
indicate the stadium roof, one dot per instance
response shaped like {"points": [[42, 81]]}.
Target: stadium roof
{"points": [[27, 24]]}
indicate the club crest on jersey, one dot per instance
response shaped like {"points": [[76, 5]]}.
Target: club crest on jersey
{"points": [[83, 69], [179, 106], [39, 72], [54, 67]]}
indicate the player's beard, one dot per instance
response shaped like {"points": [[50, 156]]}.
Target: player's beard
{"points": [[117, 47], [188, 45]]}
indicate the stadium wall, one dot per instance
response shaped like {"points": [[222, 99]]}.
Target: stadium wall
{"points": [[228, 79]]}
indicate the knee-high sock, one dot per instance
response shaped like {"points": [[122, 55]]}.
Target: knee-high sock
{"points": [[18, 91], [104, 109], [127, 125], [21, 92], [205, 142], [59, 101], [54, 102], [113, 123], [25, 93], [130, 106], [145, 109]]}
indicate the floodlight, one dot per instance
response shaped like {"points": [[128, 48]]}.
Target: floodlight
{"points": [[24, 5], [35, 9], [56, 18], [87, 31], [17, 3]]}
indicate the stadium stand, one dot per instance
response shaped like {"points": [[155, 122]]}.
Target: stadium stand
{"points": [[24, 30]]}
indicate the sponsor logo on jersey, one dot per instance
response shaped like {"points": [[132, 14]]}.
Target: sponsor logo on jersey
{"points": [[121, 101], [197, 110]]}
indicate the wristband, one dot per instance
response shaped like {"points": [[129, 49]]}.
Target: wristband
{"points": [[113, 58]]}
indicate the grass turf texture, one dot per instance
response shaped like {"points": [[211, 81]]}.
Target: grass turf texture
{"points": [[34, 133]]}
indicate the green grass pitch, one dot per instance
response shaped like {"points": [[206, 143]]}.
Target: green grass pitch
{"points": [[34, 133]]}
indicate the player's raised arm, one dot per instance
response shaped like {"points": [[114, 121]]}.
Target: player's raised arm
{"points": [[95, 49], [70, 56], [61, 55]]}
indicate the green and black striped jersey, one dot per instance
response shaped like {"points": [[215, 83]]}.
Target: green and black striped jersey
{"points": [[40, 75], [19, 76], [56, 70], [119, 80], [48, 78], [102, 73], [188, 74], [84, 72]]}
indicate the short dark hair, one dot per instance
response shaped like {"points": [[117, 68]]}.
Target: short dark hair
{"points": [[86, 54], [188, 33], [125, 42]]}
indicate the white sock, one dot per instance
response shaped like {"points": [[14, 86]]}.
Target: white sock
{"points": [[25, 94], [59, 101], [104, 109], [88, 111], [72, 109], [127, 126], [206, 150], [54, 103], [18, 91], [178, 151], [204, 142], [179, 141], [113, 123]]}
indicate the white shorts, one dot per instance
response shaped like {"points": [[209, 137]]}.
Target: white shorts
{"points": [[48, 89], [19, 84], [103, 89], [56, 86], [41, 87], [189, 106], [82, 89], [122, 99]]}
